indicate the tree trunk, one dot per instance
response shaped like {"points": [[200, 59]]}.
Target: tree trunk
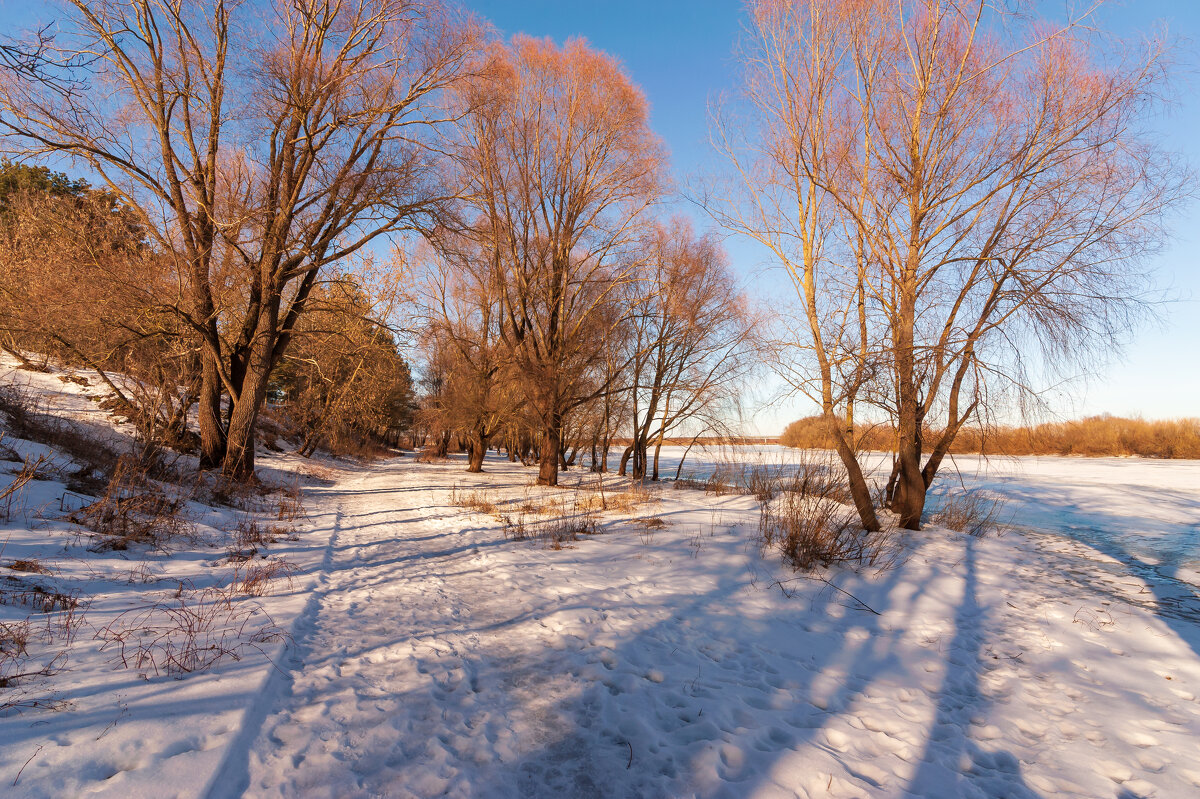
{"points": [[239, 450], [208, 414], [909, 502], [551, 454], [624, 468], [476, 450]]}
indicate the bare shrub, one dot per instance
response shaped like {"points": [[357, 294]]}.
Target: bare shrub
{"points": [[92, 455], [257, 579], [35, 646], [810, 522], [431, 454], [220, 490], [762, 482], [248, 533], [29, 471], [969, 511], [192, 631], [134, 510], [290, 503], [477, 501]]}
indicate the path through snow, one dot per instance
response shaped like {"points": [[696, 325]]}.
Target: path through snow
{"points": [[438, 659]]}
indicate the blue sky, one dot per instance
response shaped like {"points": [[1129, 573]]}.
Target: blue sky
{"points": [[679, 52]]}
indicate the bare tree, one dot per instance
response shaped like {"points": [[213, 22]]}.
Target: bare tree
{"points": [[261, 161], [559, 164], [461, 311], [958, 194], [694, 335]]}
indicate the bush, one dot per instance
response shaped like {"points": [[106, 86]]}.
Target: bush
{"points": [[133, 510], [193, 631], [974, 511], [808, 521]]}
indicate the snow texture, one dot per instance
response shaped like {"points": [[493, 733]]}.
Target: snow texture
{"points": [[431, 656]]}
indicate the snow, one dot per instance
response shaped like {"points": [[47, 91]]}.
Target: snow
{"points": [[432, 656]]}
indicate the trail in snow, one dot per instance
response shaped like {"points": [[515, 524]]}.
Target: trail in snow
{"points": [[442, 660]]}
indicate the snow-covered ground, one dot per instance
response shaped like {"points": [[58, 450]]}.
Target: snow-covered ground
{"points": [[433, 656]]}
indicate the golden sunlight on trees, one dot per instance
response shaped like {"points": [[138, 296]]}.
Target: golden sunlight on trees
{"points": [[692, 342], [962, 198], [560, 166], [258, 145]]}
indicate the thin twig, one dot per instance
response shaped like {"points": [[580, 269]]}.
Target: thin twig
{"points": [[27, 762]]}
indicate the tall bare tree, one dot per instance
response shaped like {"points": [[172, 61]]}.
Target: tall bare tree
{"points": [[957, 193], [461, 309], [560, 164], [260, 161], [694, 338]]}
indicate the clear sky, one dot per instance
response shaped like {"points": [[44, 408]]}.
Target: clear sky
{"points": [[679, 52]]}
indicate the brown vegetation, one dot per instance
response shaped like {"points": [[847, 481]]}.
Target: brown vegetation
{"points": [[1094, 436], [192, 631]]}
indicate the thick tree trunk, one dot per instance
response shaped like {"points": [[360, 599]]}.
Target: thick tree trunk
{"points": [[551, 454], [476, 450], [239, 450], [624, 468], [909, 501], [243, 418]]}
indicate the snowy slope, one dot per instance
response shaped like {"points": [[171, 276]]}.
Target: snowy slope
{"points": [[99, 727]]}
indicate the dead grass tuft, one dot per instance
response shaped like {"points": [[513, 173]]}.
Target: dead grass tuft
{"points": [[30, 565], [808, 520], [476, 500], [258, 579], [974, 511], [134, 510], [189, 632]]}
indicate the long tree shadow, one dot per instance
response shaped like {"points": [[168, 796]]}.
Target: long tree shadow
{"points": [[685, 694], [953, 764], [1164, 546]]}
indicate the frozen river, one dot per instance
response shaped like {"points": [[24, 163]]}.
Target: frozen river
{"points": [[1143, 512]]}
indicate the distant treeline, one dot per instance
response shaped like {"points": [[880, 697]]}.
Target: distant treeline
{"points": [[1094, 436], [708, 441]]}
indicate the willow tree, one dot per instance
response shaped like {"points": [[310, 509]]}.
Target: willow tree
{"points": [[559, 165], [956, 192], [260, 142]]}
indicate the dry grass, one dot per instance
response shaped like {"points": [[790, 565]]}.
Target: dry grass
{"points": [[1094, 436], [249, 534], [93, 456], [290, 505], [30, 565], [808, 520], [191, 631], [258, 579], [34, 647], [134, 510], [970, 511], [476, 500]]}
